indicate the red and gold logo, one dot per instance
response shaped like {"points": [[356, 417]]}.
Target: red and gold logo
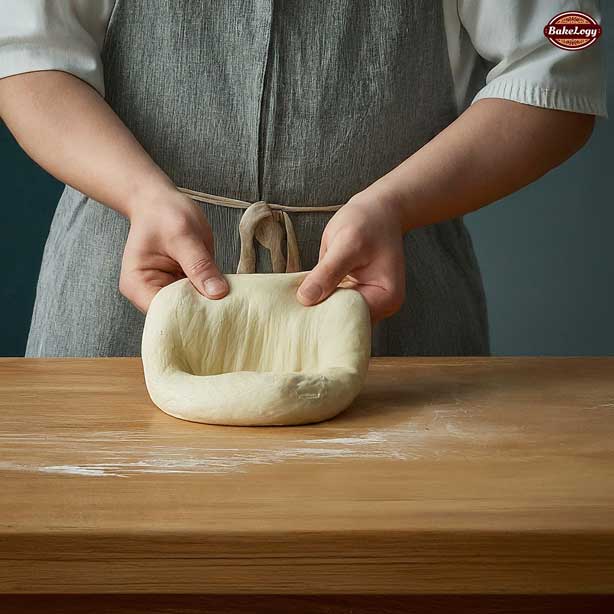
{"points": [[572, 30]]}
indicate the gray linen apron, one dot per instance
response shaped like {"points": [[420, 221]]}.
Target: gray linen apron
{"points": [[300, 102]]}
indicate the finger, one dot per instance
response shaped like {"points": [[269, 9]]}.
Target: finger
{"points": [[382, 302], [199, 266], [320, 283], [323, 246], [138, 290]]}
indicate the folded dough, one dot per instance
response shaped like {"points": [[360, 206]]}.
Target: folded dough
{"points": [[257, 356]]}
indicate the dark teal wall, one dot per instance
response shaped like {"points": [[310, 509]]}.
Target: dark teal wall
{"points": [[28, 199], [545, 252]]}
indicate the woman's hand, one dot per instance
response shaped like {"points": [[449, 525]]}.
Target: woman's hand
{"points": [[70, 130], [362, 246], [476, 160], [169, 239]]}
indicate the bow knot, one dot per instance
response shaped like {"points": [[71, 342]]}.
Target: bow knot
{"points": [[269, 227]]}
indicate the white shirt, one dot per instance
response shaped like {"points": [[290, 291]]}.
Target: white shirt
{"points": [[68, 35]]}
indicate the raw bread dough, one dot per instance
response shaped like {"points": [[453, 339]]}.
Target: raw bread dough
{"points": [[257, 356]]}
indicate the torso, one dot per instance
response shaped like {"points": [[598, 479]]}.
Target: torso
{"points": [[303, 103]]}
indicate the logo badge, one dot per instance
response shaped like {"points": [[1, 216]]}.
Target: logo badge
{"points": [[572, 30]]}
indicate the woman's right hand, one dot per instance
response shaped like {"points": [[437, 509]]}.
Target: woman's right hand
{"points": [[170, 238]]}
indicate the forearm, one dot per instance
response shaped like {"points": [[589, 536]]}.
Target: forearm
{"points": [[68, 129], [493, 149]]}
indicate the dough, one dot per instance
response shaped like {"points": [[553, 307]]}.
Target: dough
{"points": [[257, 356]]}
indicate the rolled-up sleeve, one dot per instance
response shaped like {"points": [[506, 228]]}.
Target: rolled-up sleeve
{"points": [[523, 65], [64, 35]]}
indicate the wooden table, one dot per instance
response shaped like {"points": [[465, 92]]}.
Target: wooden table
{"points": [[447, 479]]}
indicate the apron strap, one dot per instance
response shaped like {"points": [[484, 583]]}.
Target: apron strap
{"points": [[267, 223]]}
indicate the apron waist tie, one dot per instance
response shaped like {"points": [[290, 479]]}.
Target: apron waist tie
{"points": [[267, 223]]}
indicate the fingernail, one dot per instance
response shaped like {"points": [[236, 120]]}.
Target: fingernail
{"points": [[215, 286], [310, 292]]}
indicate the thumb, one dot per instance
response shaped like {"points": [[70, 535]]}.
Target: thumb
{"points": [[322, 281], [199, 267]]}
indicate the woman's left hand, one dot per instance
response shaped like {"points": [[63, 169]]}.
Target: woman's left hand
{"points": [[362, 246]]}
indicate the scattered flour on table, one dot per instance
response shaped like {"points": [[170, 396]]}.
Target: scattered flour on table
{"points": [[126, 454], [123, 454]]}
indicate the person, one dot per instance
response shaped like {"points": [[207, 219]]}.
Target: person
{"points": [[409, 113]]}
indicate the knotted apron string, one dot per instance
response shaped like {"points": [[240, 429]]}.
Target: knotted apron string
{"points": [[263, 221]]}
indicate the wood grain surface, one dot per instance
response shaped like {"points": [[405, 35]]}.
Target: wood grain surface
{"points": [[447, 476]]}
